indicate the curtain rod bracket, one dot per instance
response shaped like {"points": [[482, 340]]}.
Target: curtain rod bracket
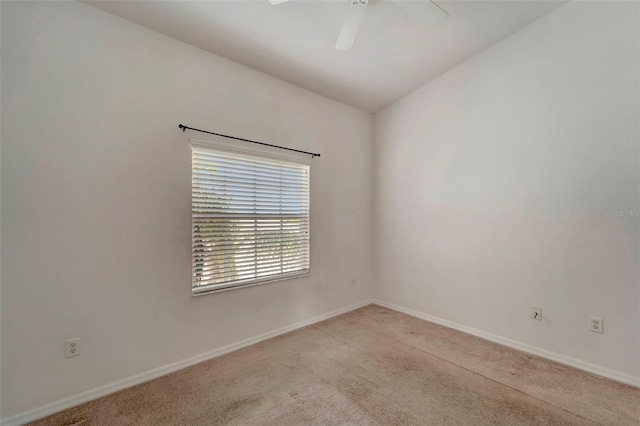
{"points": [[184, 129]]}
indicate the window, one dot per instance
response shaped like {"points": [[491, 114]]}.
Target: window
{"points": [[250, 218]]}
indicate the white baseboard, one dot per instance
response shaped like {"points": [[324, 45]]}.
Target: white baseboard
{"points": [[112, 387], [562, 359]]}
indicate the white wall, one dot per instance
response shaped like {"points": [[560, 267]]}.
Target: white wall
{"points": [[490, 195], [493, 182], [96, 199]]}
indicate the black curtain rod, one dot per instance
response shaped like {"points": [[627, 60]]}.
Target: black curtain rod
{"points": [[184, 128]]}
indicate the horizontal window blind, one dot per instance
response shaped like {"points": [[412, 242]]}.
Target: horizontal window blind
{"points": [[250, 219]]}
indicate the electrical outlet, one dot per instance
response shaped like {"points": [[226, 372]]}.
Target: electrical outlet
{"points": [[72, 347], [536, 314], [596, 324], [353, 282]]}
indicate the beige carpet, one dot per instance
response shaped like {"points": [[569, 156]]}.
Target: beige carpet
{"points": [[372, 366]]}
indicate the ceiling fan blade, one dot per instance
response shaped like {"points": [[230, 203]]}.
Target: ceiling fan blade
{"points": [[426, 11], [351, 23], [276, 2]]}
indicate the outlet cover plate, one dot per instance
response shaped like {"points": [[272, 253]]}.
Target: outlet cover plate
{"points": [[596, 324], [72, 347]]}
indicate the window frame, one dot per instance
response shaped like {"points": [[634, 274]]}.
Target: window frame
{"points": [[260, 152]]}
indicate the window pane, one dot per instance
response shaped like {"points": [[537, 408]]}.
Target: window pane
{"points": [[250, 219]]}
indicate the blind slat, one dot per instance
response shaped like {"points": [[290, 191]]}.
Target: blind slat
{"points": [[202, 232], [212, 237], [250, 261], [271, 275], [223, 269], [224, 245], [252, 173], [239, 191], [212, 156], [248, 183], [246, 264]]}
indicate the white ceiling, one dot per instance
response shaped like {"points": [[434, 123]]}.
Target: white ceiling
{"points": [[392, 55]]}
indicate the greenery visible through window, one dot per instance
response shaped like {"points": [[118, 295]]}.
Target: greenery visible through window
{"points": [[250, 219]]}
